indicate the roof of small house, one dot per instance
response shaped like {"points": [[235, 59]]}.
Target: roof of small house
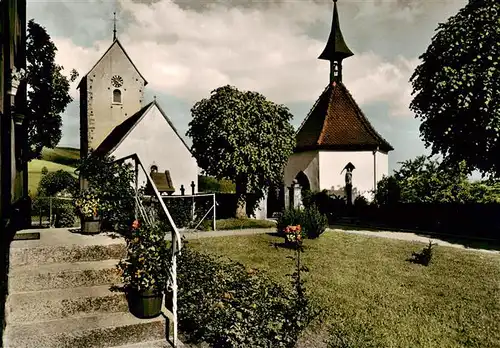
{"points": [[120, 132], [163, 182], [115, 41], [336, 122]]}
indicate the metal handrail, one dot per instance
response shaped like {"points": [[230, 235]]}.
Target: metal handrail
{"points": [[176, 241]]}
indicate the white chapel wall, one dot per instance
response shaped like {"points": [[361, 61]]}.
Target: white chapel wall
{"points": [[332, 163], [156, 143], [308, 162], [103, 114]]}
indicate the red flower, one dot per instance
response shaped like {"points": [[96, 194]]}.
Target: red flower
{"points": [[135, 224]]}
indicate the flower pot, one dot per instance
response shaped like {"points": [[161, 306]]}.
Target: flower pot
{"points": [[144, 304], [91, 225]]}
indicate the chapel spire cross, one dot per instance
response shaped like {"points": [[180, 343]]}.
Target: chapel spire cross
{"points": [[336, 49], [114, 26]]}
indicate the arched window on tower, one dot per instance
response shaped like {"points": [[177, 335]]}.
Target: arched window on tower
{"points": [[117, 96]]}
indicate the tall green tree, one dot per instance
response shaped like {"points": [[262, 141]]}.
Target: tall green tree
{"points": [[457, 88], [48, 91], [427, 180], [243, 137]]}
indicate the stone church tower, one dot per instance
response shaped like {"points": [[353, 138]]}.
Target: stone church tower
{"points": [[111, 92]]}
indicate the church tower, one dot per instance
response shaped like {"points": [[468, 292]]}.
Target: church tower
{"points": [[336, 135], [111, 92]]}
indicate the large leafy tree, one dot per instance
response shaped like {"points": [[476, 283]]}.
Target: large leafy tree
{"points": [[427, 180], [243, 137], [48, 92], [457, 88]]}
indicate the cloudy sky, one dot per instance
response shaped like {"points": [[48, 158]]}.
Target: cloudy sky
{"points": [[186, 48]]}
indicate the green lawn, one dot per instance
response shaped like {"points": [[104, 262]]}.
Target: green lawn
{"points": [[372, 294], [237, 224]]}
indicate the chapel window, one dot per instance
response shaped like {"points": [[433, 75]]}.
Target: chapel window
{"points": [[117, 96]]}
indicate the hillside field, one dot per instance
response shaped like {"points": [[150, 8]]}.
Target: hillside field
{"points": [[60, 158]]}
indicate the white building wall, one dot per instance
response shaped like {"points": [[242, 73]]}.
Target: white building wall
{"points": [[308, 162], [156, 143], [363, 179]]}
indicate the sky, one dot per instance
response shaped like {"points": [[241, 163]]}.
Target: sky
{"points": [[187, 48]]}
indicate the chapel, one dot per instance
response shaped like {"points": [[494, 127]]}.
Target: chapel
{"points": [[336, 136], [114, 120]]}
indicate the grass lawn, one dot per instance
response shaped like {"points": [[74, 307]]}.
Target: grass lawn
{"points": [[236, 224], [62, 155], [375, 298]]}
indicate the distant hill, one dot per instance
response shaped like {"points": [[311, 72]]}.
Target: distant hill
{"points": [[62, 155], [59, 158]]}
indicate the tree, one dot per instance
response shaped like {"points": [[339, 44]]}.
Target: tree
{"points": [[55, 182], [48, 93], [242, 137], [457, 88], [426, 180]]}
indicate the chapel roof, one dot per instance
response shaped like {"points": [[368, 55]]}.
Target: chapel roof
{"points": [[336, 48], [117, 42], [120, 132], [336, 122]]}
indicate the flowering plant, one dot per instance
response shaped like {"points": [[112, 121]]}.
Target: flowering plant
{"points": [[148, 259], [294, 235], [88, 204]]}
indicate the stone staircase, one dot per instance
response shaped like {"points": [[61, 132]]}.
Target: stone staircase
{"points": [[61, 294]]}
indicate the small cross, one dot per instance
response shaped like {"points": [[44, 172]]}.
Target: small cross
{"points": [[114, 26]]}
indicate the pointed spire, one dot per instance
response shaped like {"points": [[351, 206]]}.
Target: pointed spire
{"points": [[336, 49], [114, 26]]}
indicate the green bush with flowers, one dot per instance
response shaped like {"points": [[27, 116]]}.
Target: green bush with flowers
{"points": [[146, 265], [87, 204]]}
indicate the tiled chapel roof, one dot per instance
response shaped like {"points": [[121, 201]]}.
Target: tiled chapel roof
{"points": [[337, 123]]}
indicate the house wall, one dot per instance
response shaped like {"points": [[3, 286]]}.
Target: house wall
{"points": [[363, 179], [102, 114], [308, 162], [157, 143]]}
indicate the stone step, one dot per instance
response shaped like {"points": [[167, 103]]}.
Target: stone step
{"points": [[63, 275], [32, 306], [105, 330], [150, 344], [63, 253]]}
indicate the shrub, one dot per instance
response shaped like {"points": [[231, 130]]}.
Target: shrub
{"points": [[360, 201], [313, 222], [65, 215], [180, 209], [289, 217], [225, 305], [112, 183], [423, 257]]}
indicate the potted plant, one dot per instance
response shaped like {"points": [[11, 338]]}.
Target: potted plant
{"points": [[145, 269], [88, 206]]}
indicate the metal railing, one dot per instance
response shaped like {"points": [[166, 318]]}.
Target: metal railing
{"points": [[175, 236]]}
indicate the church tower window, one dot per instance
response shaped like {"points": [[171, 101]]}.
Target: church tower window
{"points": [[117, 96]]}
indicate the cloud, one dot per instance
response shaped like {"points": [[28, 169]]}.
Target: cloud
{"points": [[187, 53]]}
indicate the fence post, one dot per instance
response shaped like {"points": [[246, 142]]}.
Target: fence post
{"points": [[215, 221]]}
